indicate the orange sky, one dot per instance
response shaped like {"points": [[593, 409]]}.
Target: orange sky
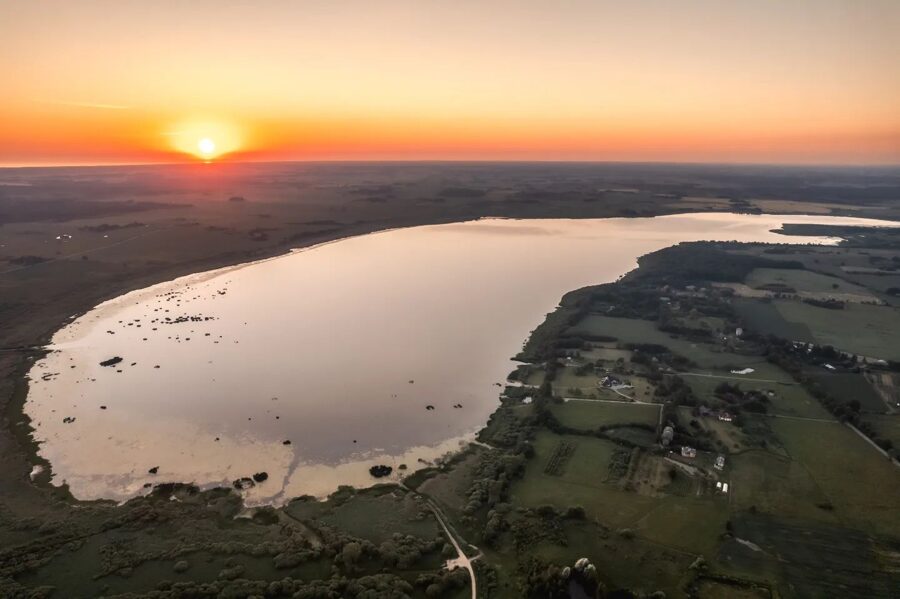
{"points": [[115, 81]]}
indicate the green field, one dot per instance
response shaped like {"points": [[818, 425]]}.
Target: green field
{"points": [[848, 386], [804, 280], [610, 354], [567, 379], [776, 485], [689, 523], [764, 317], [580, 483], [858, 328], [729, 437], [788, 399], [829, 474], [377, 517], [887, 426], [619, 561], [632, 330], [588, 415], [862, 485]]}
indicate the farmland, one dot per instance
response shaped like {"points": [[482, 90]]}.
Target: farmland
{"points": [[630, 330], [805, 281], [863, 329], [861, 486], [590, 414]]}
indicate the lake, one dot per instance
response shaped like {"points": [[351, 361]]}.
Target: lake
{"points": [[342, 350]]}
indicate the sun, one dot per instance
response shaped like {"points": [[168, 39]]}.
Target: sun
{"points": [[205, 139], [207, 147]]}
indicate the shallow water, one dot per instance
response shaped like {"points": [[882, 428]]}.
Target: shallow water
{"points": [[337, 348]]}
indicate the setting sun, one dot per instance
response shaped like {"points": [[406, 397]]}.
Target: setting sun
{"points": [[205, 138], [207, 147]]}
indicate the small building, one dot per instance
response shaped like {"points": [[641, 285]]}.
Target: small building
{"points": [[829, 367], [743, 371], [720, 462], [667, 435], [725, 416], [725, 488], [688, 452], [738, 332]]}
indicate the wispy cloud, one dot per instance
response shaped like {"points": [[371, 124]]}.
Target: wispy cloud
{"points": [[96, 105]]}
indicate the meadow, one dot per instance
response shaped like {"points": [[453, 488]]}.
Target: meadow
{"points": [[858, 328], [887, 426], [632, 330], [861, 486], [805, 281], [589, 414]]}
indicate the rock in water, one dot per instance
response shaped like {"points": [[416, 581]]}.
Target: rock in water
{"points": [[244, 483], [380, 470]]}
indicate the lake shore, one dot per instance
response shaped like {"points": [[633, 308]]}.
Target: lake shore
{"points": [[80, 453]]}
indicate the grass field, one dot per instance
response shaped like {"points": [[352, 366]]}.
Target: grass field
{"points": [[862, 329], [378, 517], [847, 386], [776, 485], [686, 523], [580, 483], [566, 379], [764, 317], [637, 436], [887, 426], [805, 558], [862, 485], [730, 438], [588, 415], [789, 399], [621, 563], [632, 330], [610, 354], [805, 280]]}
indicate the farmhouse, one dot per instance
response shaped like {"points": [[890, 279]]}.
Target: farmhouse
{"points": [[720, 462], [611, 382], [725, 416], [688, 452]]}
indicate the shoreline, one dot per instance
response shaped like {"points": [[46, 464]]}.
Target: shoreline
{"points": [[17, 421], [22, 427]]}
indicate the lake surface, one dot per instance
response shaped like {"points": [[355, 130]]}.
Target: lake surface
{"points": [[338, 349]]}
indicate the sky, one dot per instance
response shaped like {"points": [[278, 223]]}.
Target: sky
{"points": [[757, 81]]}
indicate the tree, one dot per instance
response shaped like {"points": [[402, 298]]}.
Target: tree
{"points": [[350, 554]]}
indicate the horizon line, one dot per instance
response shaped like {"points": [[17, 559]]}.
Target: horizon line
{"points": [[837, 165]]}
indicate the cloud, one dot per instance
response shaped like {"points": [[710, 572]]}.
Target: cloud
{"points": [[96, 105]]}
